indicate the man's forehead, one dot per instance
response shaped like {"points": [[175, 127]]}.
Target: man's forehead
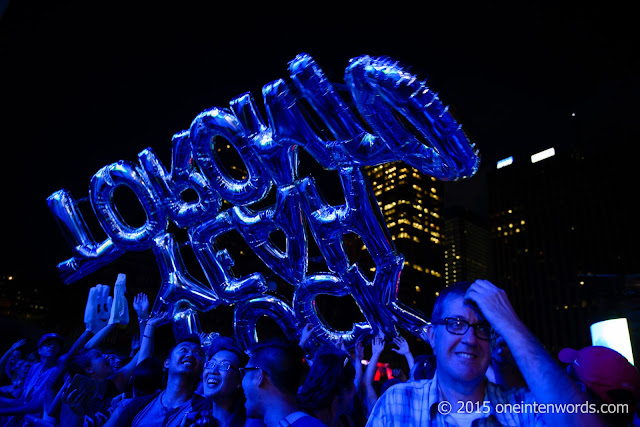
{"points": [[188, 344], [456, 306], [225, 355]]}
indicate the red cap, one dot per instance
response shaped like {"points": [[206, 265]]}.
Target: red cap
{"points": [[602, 369]]}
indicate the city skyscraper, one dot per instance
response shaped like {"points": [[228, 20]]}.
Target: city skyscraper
{"points": [[467, 246], [412, 206], [558, 221]]}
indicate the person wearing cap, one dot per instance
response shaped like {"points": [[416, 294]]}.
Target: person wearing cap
{"points": [[607, 376], [32, 397], [464, 321]]}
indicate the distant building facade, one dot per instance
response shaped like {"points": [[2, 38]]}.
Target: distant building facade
{"points": [[467, 246], [557, 221], [412, 206]]}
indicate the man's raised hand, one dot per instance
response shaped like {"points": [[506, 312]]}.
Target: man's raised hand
{"points": [[494, 305]]}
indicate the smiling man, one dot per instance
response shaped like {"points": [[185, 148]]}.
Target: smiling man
{"points": [[168, 407], [464, 321]]}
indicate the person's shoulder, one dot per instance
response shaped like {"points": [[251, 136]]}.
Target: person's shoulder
{"points": [[137, 403], [409, 387], [134, 406], [308, 421], [199, 402], [499, 393], [254, 422]]}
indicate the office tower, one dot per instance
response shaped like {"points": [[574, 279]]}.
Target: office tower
{"points": [[558, 219], [412, 206], [467, 246]]}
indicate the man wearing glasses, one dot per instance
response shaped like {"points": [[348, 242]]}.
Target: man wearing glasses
{"points": [[466, 316]]}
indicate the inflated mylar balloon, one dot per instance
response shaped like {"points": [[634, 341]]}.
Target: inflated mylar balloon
{"points": [[380, 88], [177, 283], [185, 320], [88, 255], [184, 176], [285, 216], [398, 118], [305, 307], [247, 314], [218, 123], [103, 185], [278, 157], [360, 214]]}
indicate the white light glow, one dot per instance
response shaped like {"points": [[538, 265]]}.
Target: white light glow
{"points": [[550, 152], [505, 162], [613, 334]]}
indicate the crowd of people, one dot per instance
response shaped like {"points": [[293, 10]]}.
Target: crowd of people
{"points": [[485, 367]]}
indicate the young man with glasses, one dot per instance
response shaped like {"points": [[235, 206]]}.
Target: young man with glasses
{"points": [[465, 316], [270, 382], [222, 386]]}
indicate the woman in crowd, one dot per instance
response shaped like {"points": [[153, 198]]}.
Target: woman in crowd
{"points": [[328, 390]]}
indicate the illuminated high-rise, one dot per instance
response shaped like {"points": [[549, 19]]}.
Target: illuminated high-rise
{"points": [[412, 206], [468, 249]]}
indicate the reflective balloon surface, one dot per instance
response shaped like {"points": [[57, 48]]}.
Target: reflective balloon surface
{"points": [[199, 194]]}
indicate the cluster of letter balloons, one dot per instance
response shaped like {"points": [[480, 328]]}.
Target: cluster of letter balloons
{"points": [[409, 123]]}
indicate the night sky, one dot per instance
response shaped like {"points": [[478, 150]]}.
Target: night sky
{"points": [[85, 84]]}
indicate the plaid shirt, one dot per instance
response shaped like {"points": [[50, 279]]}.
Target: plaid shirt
{"points": [[415, 403]]}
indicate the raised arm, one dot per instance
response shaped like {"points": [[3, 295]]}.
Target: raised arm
{"points": [[141, 307], [403, 349], [546, 379], [5, 357], [304, 342], [377, 347], [358, 355], [146, 344]]}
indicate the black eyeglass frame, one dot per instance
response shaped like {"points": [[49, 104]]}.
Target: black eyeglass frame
{"points": [[209, 365], [248, 368], [475, 326]]}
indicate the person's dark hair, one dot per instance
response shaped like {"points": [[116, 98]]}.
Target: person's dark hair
{"points": [[424, 367], [458, 289], [282, 362], [194, 338], [189, 338], [228, 344], [147, 376], [331, 372], [79, 362]]}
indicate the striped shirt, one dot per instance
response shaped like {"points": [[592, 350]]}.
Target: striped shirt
{"points": [[417, 403]]}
